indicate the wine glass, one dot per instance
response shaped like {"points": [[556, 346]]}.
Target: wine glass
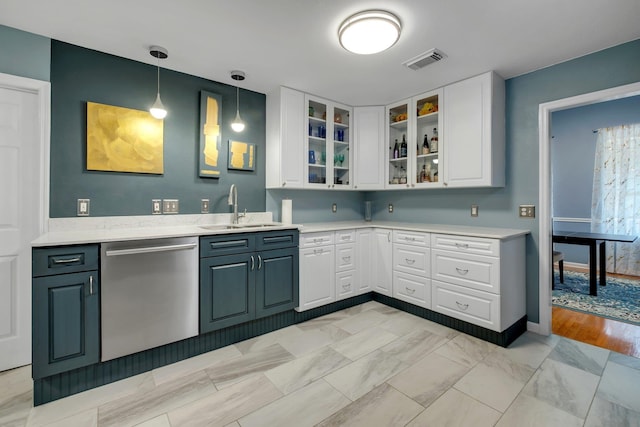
{"points": [[341, 158]]}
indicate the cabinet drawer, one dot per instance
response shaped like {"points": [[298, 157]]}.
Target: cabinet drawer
{"points": [[66, 259], [345, 236], [479, 308], [470, 245], [277, 240], [316, 239], [345, 257], [345, 284], [413, 289], [411, 238], [226, 244], [473, 271], [411, 259]]}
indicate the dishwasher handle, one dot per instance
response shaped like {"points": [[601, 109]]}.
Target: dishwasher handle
{"points": [[150, 249]]}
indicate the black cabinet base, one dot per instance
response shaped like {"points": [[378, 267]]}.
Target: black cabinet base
{"points": [[67, 383]]}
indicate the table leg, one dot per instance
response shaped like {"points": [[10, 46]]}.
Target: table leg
{"points": [[593, 287], [603, 264]]}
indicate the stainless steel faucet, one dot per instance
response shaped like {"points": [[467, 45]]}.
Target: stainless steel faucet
{"points": [[233, 201]]}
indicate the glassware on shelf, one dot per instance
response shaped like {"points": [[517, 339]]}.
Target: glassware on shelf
{"points": [[341, 159]]}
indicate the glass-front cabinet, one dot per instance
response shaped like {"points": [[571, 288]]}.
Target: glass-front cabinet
{"points": [[328, 163], [414, 142]]}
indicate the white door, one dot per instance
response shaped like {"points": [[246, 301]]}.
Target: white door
{"points": [[381, 261], [21, 211]]}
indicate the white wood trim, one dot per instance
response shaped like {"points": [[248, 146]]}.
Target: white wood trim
{"points": [[534, 327], [544, 182], [566, 219]]}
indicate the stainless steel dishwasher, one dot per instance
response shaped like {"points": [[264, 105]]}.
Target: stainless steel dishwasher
{"points": [[149, 294]]}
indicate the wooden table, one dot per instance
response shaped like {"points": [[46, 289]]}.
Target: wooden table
{"points": [[591, 240]]}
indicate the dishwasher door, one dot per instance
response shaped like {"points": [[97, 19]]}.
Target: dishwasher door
{"points": [[149, 294]]}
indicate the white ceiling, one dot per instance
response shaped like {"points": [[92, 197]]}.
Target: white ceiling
{"points": [[293, 42]]}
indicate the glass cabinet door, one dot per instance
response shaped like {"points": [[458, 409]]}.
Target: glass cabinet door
{"points": [[328, 143], [341, 148], [398, 137], [428, 125]]}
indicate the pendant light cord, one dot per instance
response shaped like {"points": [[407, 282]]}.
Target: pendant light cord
{"points": [[158, 69]]}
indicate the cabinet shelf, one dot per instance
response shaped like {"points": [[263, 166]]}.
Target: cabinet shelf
{"points": [[402, 124], [427, 156], [428, 117], [315, 165], [399, 160]]}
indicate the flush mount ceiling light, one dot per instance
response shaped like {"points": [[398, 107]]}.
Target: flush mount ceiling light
{"points": [[237, 124], [368, 32], [157, 110]]}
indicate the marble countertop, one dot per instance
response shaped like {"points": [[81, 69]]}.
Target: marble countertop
{"points": [[487, 232], [72, 231]]}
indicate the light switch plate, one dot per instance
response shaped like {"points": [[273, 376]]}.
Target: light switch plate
{"points": [[83, 207], [390, 208], [334, 208], [156, 206], [170, 206], [527, 211], [474, 210], [204, 206]]}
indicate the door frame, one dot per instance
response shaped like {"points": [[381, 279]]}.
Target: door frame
{"points": [[545, 265], [42, 90]]}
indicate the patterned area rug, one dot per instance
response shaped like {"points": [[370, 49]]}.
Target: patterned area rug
{"points": [[619, 300]]}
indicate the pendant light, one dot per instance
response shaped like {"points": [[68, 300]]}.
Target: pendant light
{"points": [[368, 32], [237, 124], [157, 110]]}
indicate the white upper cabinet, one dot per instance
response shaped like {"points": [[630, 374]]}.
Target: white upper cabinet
{"points": [[285, 139], [328, 144], [369, 156], [474, 132]]}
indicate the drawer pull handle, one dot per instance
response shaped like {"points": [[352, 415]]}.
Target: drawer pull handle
{"points": [[91, 285], [346, 258], [345, 238], [347, 286], [462, 306], [410, 239], [409, 290], [318, 251], [462, 245], [462, 271], [409, 261], [66, 260]]}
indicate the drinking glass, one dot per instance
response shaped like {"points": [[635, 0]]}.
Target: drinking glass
{"points": [[341, 158]]}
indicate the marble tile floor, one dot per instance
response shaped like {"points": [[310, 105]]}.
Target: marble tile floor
{"points": [[369, 365]]}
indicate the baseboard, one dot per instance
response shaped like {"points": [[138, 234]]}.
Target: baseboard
{"points": [[534, 327]]}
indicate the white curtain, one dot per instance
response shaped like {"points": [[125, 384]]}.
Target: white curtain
{"points": [[615, 207]]}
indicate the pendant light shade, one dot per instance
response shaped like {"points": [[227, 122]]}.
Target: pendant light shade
{"points": [[368, 32], [237, 124], [157, 110]]}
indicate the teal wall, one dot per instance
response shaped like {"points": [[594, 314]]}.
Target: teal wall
{"points": [[79, 75], [24, 54]]}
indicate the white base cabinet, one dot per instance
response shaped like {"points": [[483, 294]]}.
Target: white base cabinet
{"points": [[412, 268], [317, 270], [381, 262], [479, 280]]}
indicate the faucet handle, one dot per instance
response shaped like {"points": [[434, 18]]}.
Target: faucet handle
{"points": [[243, 214]]}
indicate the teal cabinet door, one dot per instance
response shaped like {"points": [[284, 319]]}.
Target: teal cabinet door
{"points": [[276, 281], [66, 327], [227, 291]]}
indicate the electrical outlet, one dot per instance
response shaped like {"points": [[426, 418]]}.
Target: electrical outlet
{"points": [[390, 208], [334, 208], [527, 211], [83, 207], [170, 206], [474, 210], [156, 207], [204, 206]]}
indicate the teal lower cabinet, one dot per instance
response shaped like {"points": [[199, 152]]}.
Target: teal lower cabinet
{"points": [[66, 318], [236, 288]]}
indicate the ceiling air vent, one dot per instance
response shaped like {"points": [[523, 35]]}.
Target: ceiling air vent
{"points": [[424, 59]]}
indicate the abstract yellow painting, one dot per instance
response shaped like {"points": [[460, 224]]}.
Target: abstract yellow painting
{"points": [[242, 156], [123, 140]]}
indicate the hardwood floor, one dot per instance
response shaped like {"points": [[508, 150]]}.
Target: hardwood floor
{"points": [[606, 333]]}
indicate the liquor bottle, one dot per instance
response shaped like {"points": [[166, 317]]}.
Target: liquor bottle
{"points": [[425, 145], [396, 150], [423, 174], [403, 147], [434, 141]]}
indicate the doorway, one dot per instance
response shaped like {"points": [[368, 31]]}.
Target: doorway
{"points": [[545, 193]]}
